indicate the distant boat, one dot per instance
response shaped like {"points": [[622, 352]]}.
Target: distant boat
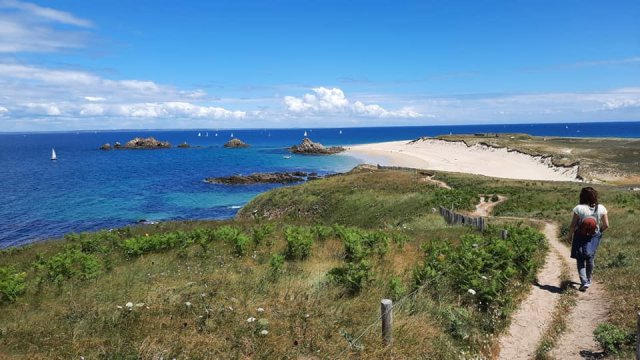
{"points": [[216, 134], [269, 134], [287, 156], [231, 135], [207, 135], [53, 155], [305, 133], [340, 132], [199, 134], [566, 127]]}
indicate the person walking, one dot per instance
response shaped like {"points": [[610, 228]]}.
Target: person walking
{"points": [[589, 221]]}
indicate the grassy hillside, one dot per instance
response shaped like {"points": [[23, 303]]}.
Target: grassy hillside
{"points": [[300, 274]]}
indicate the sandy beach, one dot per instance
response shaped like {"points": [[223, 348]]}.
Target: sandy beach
{"points": [[443, 155]]}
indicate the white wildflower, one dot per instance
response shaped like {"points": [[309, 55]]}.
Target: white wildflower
{"points": [[187, 304], [260, 310], [119, 307], [471, 291], [251, 319], [483, 277], [129, 305], [230, 308], [139, 304], [264, 332]]}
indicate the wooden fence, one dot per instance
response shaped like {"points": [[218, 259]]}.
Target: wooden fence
{"points": [[452, 217]]}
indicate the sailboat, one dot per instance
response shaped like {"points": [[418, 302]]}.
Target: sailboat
{"points": [[216, 134], [305, 133], [53, 155], [199, 134], [340, 132], [207, 135], [231, 135]]}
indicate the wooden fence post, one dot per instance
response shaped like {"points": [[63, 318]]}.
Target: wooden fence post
{"points": [[386, 308], [505, 234], [638, 339]]}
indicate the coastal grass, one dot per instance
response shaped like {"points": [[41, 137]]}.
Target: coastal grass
{"points": [[212, 289]]}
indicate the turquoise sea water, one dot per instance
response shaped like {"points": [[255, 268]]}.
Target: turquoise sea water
{"points": [[89, 189]]}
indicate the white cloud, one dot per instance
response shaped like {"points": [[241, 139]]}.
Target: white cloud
{"points": [[27, 27], [332, 101], [3, 111], [95, 98]]}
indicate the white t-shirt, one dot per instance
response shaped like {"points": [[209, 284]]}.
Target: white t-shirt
{"points": [[584, 211]]}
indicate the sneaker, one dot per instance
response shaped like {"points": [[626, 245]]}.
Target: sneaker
{"points": [[584, 287]]}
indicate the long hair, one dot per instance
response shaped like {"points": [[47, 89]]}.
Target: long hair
{"points": [[589, 196]]}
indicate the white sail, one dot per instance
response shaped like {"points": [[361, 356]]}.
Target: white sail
{"points": [[340, 132], [199, 134], [53, 154], [231, 135], [305, 133], [207, 135]]}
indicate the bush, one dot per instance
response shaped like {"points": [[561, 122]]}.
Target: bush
{"points": [[485, 265], [359, 244], [299, 242], [353, 276], [71, 264], [12, 284], [261, 232], [612, 338], [276, 264], [494, 198], [143, 244], [396, 289], [322, 232]]}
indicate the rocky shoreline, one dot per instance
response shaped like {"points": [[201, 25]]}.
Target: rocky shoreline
{"points": [[264, 178], [138, 143], [308, 147]]}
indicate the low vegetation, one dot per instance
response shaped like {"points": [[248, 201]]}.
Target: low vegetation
{"points": [[301, 273]]}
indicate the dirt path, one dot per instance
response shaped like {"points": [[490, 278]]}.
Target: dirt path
{"points": [[535, 313]]}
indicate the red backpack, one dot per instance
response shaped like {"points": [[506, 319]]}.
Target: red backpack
{"points": [[589, 225]]}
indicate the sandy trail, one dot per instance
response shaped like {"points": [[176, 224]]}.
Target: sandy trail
{"points": [[534, 314]]}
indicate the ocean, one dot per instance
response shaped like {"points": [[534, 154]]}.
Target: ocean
{"points": [[88, 189]]}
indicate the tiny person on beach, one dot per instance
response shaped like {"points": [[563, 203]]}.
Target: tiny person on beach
{"points": [[589, 222]]}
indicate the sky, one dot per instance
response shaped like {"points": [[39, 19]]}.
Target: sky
{"points": [[165, 64]]}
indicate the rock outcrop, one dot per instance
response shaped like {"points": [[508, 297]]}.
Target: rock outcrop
{"points": [[106, 146], [143, 144], [261, 178], [236, 143], [313, 148], [184, 145]]}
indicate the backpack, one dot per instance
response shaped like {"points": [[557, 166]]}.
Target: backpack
{"points": [[589, 225]]}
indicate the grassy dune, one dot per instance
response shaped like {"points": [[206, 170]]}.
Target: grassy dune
{"points": [[300, 274]]}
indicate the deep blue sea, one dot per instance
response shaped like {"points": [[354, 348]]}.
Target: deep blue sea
{"points": [[89, 189]]}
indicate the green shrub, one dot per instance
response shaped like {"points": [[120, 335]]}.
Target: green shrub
{"points": [[261, 232], [612, 338], [299, 242], [353, 276], [322, 233], [139, 245], [396, 289], [494, 198], [71, 264], [481, 268], [359, 244], [276, 264], [12, 284]]}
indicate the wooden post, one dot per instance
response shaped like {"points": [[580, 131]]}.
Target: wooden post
{"points": [[386, 308], [505, 234], [638, 339]]}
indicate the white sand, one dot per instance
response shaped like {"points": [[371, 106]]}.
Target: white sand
{"points": [[442, 155]]}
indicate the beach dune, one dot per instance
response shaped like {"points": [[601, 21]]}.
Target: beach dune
{"points": [[434, 154]]}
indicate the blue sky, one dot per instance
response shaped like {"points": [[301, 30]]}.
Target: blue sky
{"points": [[69, 64]]}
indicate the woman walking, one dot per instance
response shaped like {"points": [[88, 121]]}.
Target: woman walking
{"points": [[589, 222]]}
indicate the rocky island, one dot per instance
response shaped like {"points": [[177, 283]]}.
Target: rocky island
{"points": [[264, 178], [184, 145], [236, 143], [314, 148], [139, 144]]}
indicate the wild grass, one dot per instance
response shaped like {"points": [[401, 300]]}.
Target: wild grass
{"points": [[193, 286]]}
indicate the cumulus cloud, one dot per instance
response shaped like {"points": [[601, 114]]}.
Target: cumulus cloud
{"points": [[27, 27], [332, 101], [3, 111]]}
